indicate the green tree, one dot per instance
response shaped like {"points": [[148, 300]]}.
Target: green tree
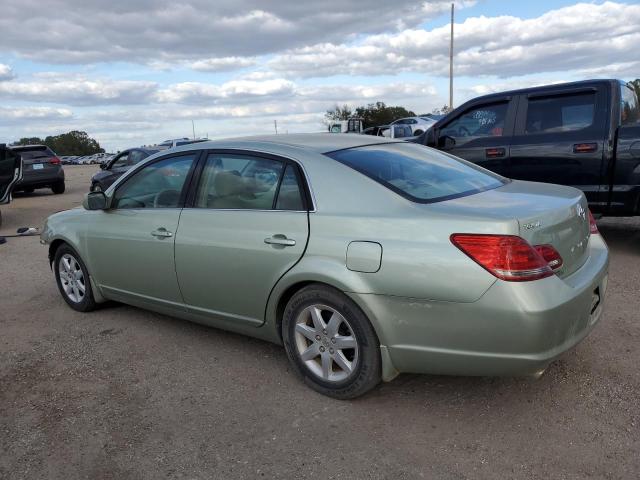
{"points": [[338, 113], [372, 115], [29, 141], [73, 143]]}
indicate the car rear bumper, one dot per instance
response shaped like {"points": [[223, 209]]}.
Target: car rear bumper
{"points": [[41, 178], [513, 329]]}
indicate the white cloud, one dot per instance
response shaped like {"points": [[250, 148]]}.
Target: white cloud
{"points": [[85, 31], [79, 90], [17, 114], [5, 72], [222, 64], [584, 35]]}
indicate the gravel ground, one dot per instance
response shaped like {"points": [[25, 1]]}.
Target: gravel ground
{"points": [[124, 393]]}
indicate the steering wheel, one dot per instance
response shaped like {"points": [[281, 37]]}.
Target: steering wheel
{"points": [[166, 198], [463, 131]]}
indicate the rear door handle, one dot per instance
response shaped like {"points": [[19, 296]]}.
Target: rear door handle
{"points": [[162, 233], [280, 240], [495, 152]]}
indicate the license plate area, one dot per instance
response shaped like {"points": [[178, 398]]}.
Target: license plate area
{"points": [[37, 166]]}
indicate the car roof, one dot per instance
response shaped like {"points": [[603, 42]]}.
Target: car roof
{"points": [[316, 142], [28, 147]]}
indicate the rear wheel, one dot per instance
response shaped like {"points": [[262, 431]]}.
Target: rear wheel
{"points": [[73, 281], [29, 190], [58, 188], [331, 343]]}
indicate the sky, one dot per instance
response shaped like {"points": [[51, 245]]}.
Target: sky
{"points": [[136, 72]]}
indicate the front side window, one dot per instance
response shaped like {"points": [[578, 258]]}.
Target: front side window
{"points": [[157, 185], [629, 110], [560, 113], [481, 121], [136, 156], [420, 174], [121, 161]]}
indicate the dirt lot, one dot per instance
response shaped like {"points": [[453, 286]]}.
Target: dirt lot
{"points": [[124, 393]]}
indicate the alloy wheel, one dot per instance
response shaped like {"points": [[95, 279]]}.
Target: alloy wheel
{"points": [[325, 343], [72, 278]]}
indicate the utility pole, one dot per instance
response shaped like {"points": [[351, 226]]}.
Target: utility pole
{"points": [[275, 125], [451, 64], [193, 127]]}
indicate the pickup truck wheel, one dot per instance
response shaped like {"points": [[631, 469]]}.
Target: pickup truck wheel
{"points": [[73, 280], [58, 188]]}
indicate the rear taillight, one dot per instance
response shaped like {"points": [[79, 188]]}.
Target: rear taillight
{"points": [[593, 226], [55, 161], [507, 257], [551, 255]]}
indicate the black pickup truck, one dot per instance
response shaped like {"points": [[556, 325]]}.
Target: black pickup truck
{"points": [[584, 134]]}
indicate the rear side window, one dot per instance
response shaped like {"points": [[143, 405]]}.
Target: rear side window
{"points": [[560, 113], [245, 182], [418, 173], [630, 110]]}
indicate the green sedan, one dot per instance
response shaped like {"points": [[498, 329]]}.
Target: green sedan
{"points": [[365, 257]]}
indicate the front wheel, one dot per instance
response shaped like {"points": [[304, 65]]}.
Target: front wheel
{"points": [[58, 188], [331, 343], [73, 281]]}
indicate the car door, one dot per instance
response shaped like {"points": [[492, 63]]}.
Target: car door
{"points": [[10, 173], [559, 138], [245, 226], [131, 243], [481, 134]]}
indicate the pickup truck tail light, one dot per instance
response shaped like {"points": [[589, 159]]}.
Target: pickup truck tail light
{"points": [[55, 161], [593, 226], [507, 257]]}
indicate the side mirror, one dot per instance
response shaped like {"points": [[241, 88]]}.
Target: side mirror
{"points": [[446, 142], [95, 201]]}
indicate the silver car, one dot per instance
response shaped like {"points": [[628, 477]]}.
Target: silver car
{"points": [[365, 257]]}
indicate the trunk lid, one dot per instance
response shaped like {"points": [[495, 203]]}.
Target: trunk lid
{"points": [[546, 215]]}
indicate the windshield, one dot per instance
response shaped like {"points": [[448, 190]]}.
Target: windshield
{"points": [[418, 173]]}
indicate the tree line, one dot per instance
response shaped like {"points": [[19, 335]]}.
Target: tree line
{"points": [[74, 142], [373, 114]]}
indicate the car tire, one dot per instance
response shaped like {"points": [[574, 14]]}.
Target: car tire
{"points": [[338, 356], [29, 190], [58, 188], [418, 132], [72, 277]]}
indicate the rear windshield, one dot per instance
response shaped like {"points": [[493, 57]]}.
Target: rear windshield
{"points": [[35, 152], [418, 173]]}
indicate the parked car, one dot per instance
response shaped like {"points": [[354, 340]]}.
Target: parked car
{"points": [[41, 169], [119, 164], [584, 134], [418, 125], [178, 142], [364, 256], [390, 131], [10, 174]]}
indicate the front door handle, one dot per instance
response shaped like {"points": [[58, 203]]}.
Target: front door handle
{"points": [[280, 239], [162, 233], [495, 152]]}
